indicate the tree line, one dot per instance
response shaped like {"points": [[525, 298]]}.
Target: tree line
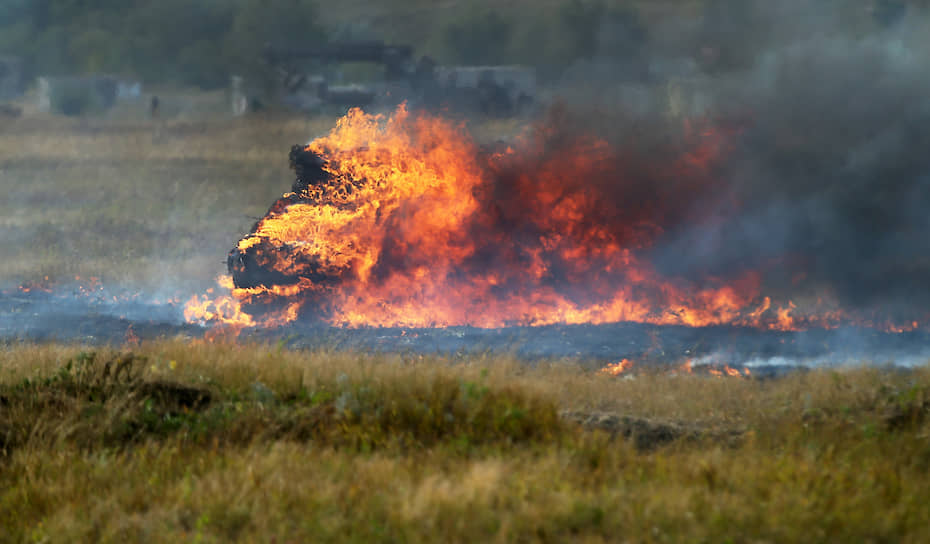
{"points": [[200, 43]]}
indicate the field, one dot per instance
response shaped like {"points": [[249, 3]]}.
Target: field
{"points": [[215, 442], [210, 442], [139, 202]]}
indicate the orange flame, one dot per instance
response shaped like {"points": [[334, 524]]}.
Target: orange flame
{"points": [[615, 369], [131, 337], [416, 226], [224, 309]]}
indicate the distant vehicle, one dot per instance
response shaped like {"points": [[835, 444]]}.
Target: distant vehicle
{"points": [[84, 94], [10, 111], [499, 91], [77, 95], [494, 90]]}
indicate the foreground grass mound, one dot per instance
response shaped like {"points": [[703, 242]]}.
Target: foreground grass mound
{"points": [[120, 400], [222, 442]]}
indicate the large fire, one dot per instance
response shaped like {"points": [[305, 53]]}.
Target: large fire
{"points": [[405, 221]]}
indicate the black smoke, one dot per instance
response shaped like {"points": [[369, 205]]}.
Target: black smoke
{"points": [[826, 187]]}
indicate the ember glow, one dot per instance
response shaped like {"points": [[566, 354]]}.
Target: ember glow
{"points": [[615, 369], [623, 366], [405, 221]]}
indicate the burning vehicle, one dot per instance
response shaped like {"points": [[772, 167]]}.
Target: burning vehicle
{"points": [[404, 221]]}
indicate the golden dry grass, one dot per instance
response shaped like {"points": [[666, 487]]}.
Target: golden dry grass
{"points": [[138, 202], [298, 446]]}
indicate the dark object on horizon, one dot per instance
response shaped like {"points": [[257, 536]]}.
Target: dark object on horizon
{"points": [[492, 90], [77, 95], [346, 95], [397, 59], [153, 107], [10, 111]]}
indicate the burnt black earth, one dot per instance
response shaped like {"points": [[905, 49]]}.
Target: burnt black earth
{"points": [[65, 315]]}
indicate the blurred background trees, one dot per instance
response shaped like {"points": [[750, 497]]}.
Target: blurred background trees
{"points": [[550, 39], [202, 42], [187, 42]]}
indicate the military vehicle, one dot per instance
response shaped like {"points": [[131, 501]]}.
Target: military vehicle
{"points": [[499, 91]]}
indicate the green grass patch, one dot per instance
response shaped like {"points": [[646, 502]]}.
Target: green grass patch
{"points": [[114, 402]]}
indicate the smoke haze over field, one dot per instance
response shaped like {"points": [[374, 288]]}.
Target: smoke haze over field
{"points": [[833, 166], [827, 185]]}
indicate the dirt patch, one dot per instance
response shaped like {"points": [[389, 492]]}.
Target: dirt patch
{"points": [[173, 396], [648, 434]]}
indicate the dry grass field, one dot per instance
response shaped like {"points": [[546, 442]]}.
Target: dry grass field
{"points": [[216, 442], [153, 204]]}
